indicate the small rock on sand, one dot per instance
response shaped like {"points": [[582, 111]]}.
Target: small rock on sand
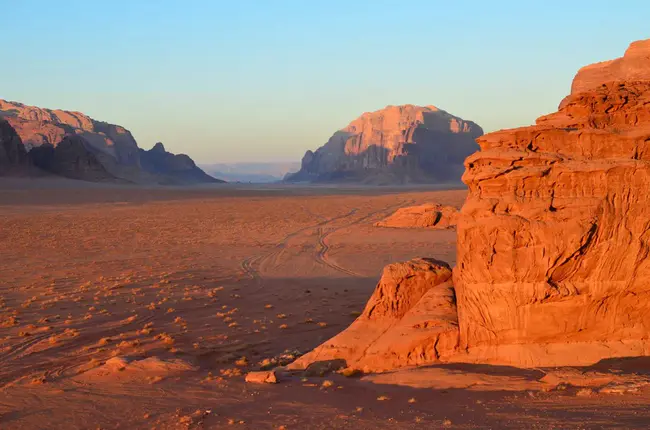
{"points": [[262, 377]]}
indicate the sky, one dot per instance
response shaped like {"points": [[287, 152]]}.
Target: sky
{"points": [[265, 80]]}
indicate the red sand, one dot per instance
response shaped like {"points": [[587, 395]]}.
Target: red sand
{"points": [[191, 289]]}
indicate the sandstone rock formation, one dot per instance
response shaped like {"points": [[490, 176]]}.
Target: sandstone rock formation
{"points": [[409, 320], [172, 168], [554, 237], [553, 246], [13, 156], [633, 66], [111, 145], [423, 216], [398, 144]]}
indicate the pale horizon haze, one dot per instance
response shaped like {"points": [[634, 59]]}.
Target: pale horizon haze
{"points": [[263, 81]]}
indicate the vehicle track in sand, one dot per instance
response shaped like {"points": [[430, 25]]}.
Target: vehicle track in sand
{"points": [[254, 266], [251, 266], [322, 254]]}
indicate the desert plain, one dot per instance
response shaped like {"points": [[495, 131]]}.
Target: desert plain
{"points": [[126, 307]]}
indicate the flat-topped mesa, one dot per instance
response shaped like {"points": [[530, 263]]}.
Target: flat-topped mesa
{"points": [[554, 237], [397, 144]]}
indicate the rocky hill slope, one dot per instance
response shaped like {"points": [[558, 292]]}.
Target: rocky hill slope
{"points": [[107, 147], [552, 250], [398, 144]]}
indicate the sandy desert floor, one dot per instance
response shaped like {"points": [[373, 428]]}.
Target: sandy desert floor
{"points": [[144, 308]]}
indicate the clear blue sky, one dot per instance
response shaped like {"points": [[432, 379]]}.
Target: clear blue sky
{"points": [[256, 80]]}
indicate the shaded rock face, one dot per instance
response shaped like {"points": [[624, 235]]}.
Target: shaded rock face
{"points": [[111, 145], [71, 158], [176, 169], [554, 238], [423, 216], [13, 157], [409, 320], [398, 144]]}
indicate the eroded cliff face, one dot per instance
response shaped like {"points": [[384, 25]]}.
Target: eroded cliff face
{"points": [[398, 144], [554, 237], [112, 146]]}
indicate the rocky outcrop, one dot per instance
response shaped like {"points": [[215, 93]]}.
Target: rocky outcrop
{"points": [[112, 146], [173, 168], [13, 156], [553, 245], [409, 320], [633, 66], [423, 216], [71, 158], [554, 237], [398, 144]]}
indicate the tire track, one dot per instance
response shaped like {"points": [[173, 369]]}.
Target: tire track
{"points": [[321, 255], [249, 264]]}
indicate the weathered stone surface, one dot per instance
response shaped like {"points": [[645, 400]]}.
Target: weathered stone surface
{"points": [[422, 216], [409, 320], [554, 237], [398, 144], [633, 66], [111, 145]]}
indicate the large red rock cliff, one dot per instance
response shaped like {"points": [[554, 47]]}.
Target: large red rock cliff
{"points": [[553, 262], [554, 237]]}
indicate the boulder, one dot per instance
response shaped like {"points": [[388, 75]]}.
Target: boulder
{"points": [[423, 216], [262, 377], [395, 145], [409, 320]]}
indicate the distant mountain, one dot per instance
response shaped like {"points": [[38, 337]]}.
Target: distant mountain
{"points": [[76, 146], [175, 168], [251, 172], [394, 145]]}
